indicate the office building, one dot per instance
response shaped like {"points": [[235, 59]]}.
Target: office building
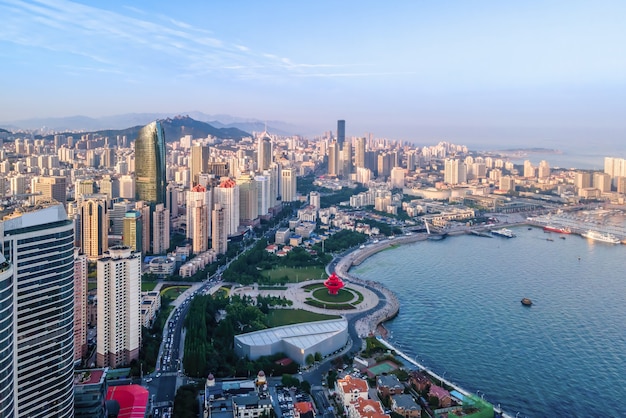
{"points": [[199, 218], [42, 285], [90, 390], [127, 187], [199, 161], [49, 189], [116, 217], [359, 153], [150, 171], [219, 233], [333, 158], [263, 194], [94, 225], [160, 229], [133, 231], [264, 152], [288, 184], [7, 358], [119, 307], [341, 132], [80, 306]]}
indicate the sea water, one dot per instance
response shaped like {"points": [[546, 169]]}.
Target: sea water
{"points": [[565, 356]]}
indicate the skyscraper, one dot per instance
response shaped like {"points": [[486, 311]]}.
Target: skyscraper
{"points": [[341, 132], [150, 168], [94, 224], [119, 307], [359, 153], [42, 285], [333, 158], [264, 152], [7, 329], [454, 171]]}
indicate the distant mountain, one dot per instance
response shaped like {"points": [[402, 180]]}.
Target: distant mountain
{"points": [[123, 121], [175, 128]]}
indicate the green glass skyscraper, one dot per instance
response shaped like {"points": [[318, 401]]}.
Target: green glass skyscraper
{"points": [[150, 164]]}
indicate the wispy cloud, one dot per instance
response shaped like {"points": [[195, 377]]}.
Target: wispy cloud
{"points": [[127, 43]]}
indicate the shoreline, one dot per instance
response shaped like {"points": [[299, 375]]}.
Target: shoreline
{"points": [[369, 325]]}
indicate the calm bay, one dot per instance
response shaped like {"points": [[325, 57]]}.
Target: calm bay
{"points": [[461, 315]]}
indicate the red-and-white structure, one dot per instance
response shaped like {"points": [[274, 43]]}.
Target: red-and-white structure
{"points": [[333, 284]]}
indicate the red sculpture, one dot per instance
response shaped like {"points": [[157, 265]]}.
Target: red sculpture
{"points": [[333, 284]]}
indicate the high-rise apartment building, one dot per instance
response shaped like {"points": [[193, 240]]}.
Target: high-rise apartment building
{"points": [[119, 307], [543, 171], [227, 194], [263, 194], [333, 158], [359, 152], [150, 168], [160, 229], [529, 169], [314, 200], [288, 184], [94, 224], [146, 225], [39, 244], [602, 182], [219, 233], [248, 199], [454, 171], [199, 218], [80, 306], [397, 178]]}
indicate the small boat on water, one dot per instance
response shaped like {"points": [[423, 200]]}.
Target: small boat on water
{"points": [[526, 302], [503, 232]]}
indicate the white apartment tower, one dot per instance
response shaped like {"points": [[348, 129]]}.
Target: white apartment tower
{"points": [[199, 218], [119, 307], [227, 194], [37, 378], [455, 171]]}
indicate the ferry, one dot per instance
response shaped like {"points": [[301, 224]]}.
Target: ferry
{"points": [[550, 228], [599, 236], [503, 232]]}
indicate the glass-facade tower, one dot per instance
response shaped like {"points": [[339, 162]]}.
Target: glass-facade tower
{"points": [[150, 183], [40, 246]]}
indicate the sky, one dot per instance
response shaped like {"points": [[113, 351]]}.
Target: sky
{"points": [[523, 73]]}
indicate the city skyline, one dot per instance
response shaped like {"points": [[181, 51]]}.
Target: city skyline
{"points": [[483, 72]]}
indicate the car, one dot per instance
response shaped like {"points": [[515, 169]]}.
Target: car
{"points": [[148, 380], [158, 375]]}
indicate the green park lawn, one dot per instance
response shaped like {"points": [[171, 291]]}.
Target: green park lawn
{"points": [[172, 292], [342, 296], [148, 286], [279, 317], [295, 274]]}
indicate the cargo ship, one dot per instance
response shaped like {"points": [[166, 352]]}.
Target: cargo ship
{"points": [[599, 236], [550, 228]]}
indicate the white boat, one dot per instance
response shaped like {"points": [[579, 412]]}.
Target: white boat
{"points": [[503, 232], [599, 236]]}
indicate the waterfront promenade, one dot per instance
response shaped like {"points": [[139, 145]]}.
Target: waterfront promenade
{"points": [[371, 323]]}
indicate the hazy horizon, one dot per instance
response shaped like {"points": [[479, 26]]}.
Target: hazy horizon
{"points": [[482, 72]]}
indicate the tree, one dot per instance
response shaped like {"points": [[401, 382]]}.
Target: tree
{"points": [[310, 359], [318, 356]]}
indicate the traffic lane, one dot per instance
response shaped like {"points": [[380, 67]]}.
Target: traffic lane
{"points": [[167, 389]]}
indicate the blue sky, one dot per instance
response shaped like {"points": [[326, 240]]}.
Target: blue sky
{"points": [[541, 72]]}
